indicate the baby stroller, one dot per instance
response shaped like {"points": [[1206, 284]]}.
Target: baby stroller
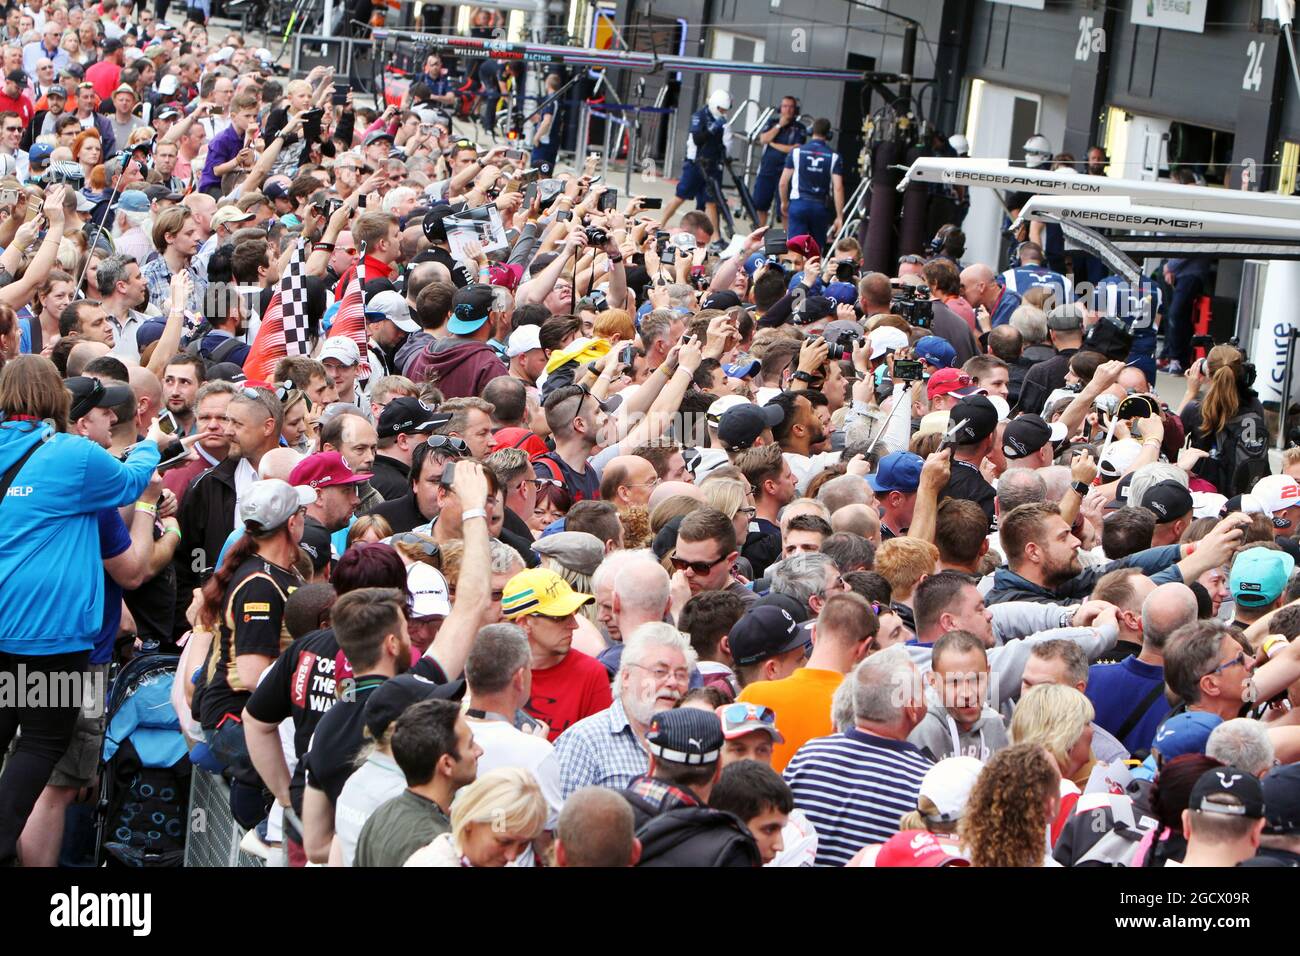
{"points": [[144, 771]]}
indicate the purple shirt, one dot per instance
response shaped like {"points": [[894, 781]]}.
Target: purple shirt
{"points": [[222, 149]]}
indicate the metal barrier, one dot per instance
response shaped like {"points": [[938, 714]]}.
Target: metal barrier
{"points": [[214, 834]]}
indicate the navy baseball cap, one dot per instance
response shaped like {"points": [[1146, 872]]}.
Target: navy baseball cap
{"points": [[686, 735], [764, 632], [741, 426], [1168, 501], [899, 471], [1228, 790]]}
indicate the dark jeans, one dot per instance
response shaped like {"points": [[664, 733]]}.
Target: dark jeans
{"points": [[249, 799], [46, 733], [1179, 319]]}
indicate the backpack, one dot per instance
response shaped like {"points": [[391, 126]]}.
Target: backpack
{"points": [[1240, 454], [217, 355], [551, 465]]}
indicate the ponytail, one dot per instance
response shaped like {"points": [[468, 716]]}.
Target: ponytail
{"points": [[1224, 365], [214, 592]]}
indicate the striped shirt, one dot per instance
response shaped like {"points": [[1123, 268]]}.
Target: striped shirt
{"points": [[853, 787], [602, 750]]}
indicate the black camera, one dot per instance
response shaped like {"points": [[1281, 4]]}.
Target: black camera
{"points": [[846, 270], [64, 171], [913, 304], [596, 236], [908, 370], [841, 346]]}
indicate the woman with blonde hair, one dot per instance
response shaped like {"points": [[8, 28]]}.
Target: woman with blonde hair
{"points": [[494, 821], [735, 500], [1228, 422], [1059, 718], [1010, 807], [369, 529]]}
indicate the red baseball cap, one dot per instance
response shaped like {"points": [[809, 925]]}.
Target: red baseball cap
{"points": [[951, 381], [325, 469], [805, 246], [920, 848], [506, 274]]}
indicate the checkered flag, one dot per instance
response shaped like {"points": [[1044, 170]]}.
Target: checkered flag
{"points": [[283, 331]]}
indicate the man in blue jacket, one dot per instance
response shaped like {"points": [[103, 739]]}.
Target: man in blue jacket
{"points": [[706, 149]]}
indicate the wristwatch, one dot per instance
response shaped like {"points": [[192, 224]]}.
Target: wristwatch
{"points": [[803, 376], [1080, 488], [616, 257]]}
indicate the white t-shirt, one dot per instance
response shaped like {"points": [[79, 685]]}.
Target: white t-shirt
{"points": [[504, 746]]}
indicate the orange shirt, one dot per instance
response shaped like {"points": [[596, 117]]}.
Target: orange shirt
{"points": [[802, 703]]}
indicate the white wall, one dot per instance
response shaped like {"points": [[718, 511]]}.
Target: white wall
{"points": [[988, 128]]}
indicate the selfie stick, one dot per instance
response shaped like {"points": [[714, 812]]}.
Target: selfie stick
{"points": [[1110, 434], [125, 156], [885, 424]]}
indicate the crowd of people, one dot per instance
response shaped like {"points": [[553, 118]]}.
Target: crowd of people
{"points": [[564, 542]]}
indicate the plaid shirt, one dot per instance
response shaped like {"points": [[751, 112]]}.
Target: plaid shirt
{"points": [[158, 276], [601, 751]]}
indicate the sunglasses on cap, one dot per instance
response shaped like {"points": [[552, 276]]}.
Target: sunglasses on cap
{"points": [[426, 546], [257, 394], [738, 714], [699, 568]]}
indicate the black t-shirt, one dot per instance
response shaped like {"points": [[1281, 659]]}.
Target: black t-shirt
{"points": [[252, 622], [762, 547], [299, 685], [581, 487], [338, 738], [153, 605], [967, 482]]}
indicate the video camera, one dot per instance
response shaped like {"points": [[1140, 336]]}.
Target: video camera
{"points": [[913, 304], [841, 345]]}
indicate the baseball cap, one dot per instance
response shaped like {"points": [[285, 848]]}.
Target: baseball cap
{"points": [[843, 293], [469, 309], [387, 701], [19, 77], [1228, 790], [57, 90], [275, 190], [133, 200], [230, 213], [805, 246], [341, 348], [169, 84], [1029, 433], [815, 308], [972, 419], [764, 632], [1281, 787], [933, 423], [505, 274], [742, 369], [740, 427], [88, 393], [722, 405], [744, 717], [269, 504], [316, 542], [886, 338], [167, 112], [523, 339], [1169, 500], [784, 602], [951, 381], [1259, 576], [428, 589], [920, 848], [835, 330], [378, 136], [722, 299], [575, 550], [392, 306], [898, 471], [226, 372], [1277, 493], [39, 154], [948, 785], [686, 735], [406, 416], [1185, 733], [157, 191], [539, 591], [935, 351], [112, 45], [325, 469]]}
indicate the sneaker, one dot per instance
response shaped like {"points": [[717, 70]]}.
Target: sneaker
{"points": [[1174, 367], [254, 845]]}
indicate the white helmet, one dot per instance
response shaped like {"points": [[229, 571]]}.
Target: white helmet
{"points": [[719, 103], [960, 145], [1038, 151]]}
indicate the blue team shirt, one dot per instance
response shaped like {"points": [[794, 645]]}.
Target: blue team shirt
{"points": [[705, 141], [773, 161], [1136, 308], [814, 164], [1023, 278], [114, 538]]}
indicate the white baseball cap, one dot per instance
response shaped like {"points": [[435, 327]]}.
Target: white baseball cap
{"points": [[1277, 492], [886, 338], [429, 594], [948, 785], [269, 504], [722, 406], [523, 339], [341, 348], [392, 306]]}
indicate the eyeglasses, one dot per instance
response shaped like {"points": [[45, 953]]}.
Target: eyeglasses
{"points": [[448, 443], [661, 673], [430, 548], [698, 568], [739, 714], [1241, 659], [643, 484], [747, 512]]}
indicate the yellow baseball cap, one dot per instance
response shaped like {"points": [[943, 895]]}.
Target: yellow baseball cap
{"points": [[540, 591]]}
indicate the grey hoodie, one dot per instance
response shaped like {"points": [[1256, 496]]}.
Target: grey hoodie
{"points": [[939, 734]]}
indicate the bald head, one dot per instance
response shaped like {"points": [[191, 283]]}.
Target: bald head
{"points": [[1006, 343], [596, 828], [858, 519], [978, 287], [82, 354], [666, 489], [278, 463], [1020, 486], [1165, 610], [640, 594], [627, 480]]}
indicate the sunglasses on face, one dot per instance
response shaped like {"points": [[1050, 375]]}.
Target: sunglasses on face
{"points": [[698, 568]]}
